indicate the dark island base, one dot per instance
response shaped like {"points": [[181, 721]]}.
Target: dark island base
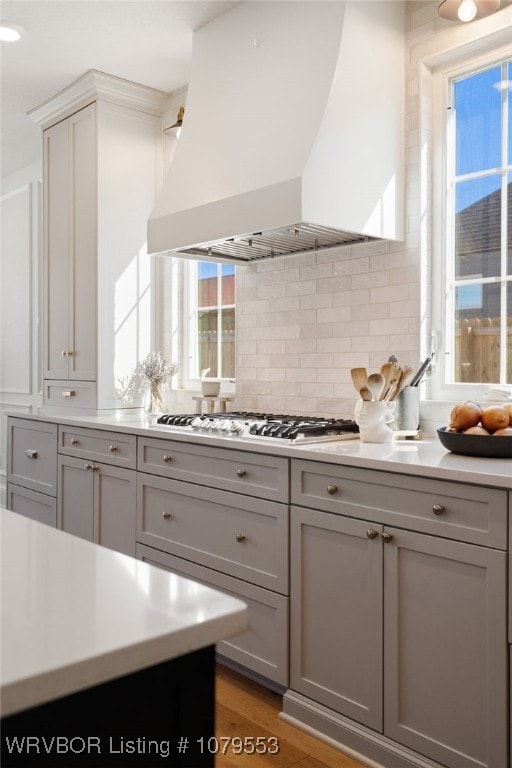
{"points": [[160, 716]]}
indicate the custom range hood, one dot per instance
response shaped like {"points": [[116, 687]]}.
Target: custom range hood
{"points": [[292, 136]]}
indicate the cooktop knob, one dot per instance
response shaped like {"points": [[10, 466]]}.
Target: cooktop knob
{"points": [[236, 427]]}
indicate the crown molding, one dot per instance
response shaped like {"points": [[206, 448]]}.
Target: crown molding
{"points": [[94, 86]]}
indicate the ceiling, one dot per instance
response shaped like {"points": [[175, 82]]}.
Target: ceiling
{"points": [[146, 41]]}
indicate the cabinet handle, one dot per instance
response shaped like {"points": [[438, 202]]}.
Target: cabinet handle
{"points": [[372, 533], [166, 515], [112, 448], [241, 473], [69, 393], [387, 537], [88, 466], [332, 489], [438, 509], [95, 468], [75, 441], [66, 353], [30, 453], [240, 537], [167, 458]]}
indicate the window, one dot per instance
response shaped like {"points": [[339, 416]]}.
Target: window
{"points": [[211, 319], [477, 232]]}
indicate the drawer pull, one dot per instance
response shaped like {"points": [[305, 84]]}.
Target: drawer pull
{"points": [[69, 393], [112, 448], [387, 537], [30, 453], [332, 489], [438, 509], [241, 473], [167, 458], [66, 353], [372, 533], [240, 537], [166, 515], [75, 441]]}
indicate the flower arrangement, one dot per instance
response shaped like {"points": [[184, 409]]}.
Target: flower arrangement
{"points": [[153, 371]]}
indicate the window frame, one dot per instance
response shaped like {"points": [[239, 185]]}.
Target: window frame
{"points": [[442, 230], [189, 320]]}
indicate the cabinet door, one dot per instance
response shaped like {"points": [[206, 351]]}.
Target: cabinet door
{"points": [[56, 251], [75, 508], [445, 646], [336, 613], [82, 287], [115, 495]]}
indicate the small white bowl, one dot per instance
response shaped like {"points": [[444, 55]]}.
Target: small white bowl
{"points": [[210, 387]]}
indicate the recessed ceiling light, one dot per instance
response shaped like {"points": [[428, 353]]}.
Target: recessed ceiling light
{"points": [[9, 33]]}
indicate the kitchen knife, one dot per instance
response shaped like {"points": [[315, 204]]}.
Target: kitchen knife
{"points": [[419, 373]]}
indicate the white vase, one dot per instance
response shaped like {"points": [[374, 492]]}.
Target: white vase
{"points": [[372, 418]]}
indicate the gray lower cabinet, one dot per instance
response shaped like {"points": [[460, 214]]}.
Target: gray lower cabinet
{"points": [[97, 502], [402, 632], [233, 542], [36, 506]]}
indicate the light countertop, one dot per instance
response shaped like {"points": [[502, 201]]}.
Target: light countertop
{"points": [[426, 458], [74, 614]]}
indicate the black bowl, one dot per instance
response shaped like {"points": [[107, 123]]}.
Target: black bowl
{"points": [[476, 445]]}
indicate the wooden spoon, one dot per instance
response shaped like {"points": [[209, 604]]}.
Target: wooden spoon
{"points": [[387, 372], [359, 378], [365, 393], [404, 378], [374, 384]]}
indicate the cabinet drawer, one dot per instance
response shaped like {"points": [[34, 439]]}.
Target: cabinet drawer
{"points": [[32, 459], [250, 473], [263, 646], [97, 445], [238, 535], [36, 506], [451, 510], [70, 394]]}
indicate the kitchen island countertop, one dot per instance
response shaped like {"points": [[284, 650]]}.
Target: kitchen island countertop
{"points": [[75, 614], [427, 457]]}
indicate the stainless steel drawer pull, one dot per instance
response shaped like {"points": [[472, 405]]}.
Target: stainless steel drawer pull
{"points": [[387, 537], [166, 515], [69, 393], [241, 472], [167, 458], [240, 537], [372, 533], [30, 453], [75, 441], [112, 448], [332, 489], [438, 509]]}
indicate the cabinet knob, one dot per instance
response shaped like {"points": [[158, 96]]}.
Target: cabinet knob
{"points": [[75, 441], [372, 533], [112, 448], [332, 489], [438, 509], [88, 466], [240, 537], [387, 537], [69, 393], [166, 515], [95, 468], [66, 353], [30, 453], [166, 458], [241, 472]]}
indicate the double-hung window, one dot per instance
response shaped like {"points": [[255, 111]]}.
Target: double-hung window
{"points": [[210, 320], [475, 221]]}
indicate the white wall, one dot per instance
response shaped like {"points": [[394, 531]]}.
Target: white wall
{"points": [[20, 297]]}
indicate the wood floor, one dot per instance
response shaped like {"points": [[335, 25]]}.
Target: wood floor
{"points": [[245, 709]]}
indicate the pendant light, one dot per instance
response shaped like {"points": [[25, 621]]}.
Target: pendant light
{"points": [[467, 10]]}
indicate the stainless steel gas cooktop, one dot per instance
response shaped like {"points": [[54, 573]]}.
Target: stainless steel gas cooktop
{"points": [[293, 430]]}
